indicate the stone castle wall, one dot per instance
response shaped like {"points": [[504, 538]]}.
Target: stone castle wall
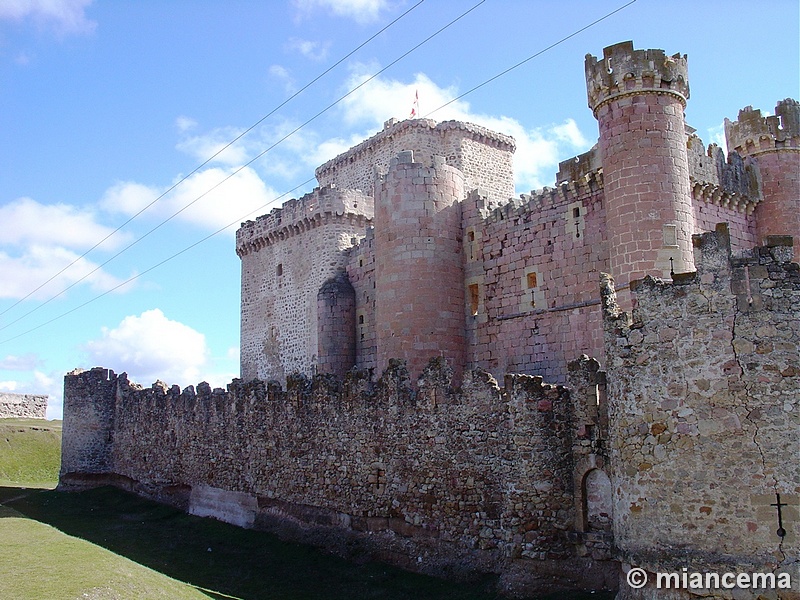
{"points": [[22, 406], [536, 263], [475, 479], [287, 256], [704, 380], [484, 156]]}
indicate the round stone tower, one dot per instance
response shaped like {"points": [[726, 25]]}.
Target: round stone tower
{"points": [[773, 143], [336, 326], [638, 98], [419, 276]]}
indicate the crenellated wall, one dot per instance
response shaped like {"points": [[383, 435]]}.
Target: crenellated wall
{"points": [[484, 156], [286, 257], [534, 263], [435, 479], [703, 392]]}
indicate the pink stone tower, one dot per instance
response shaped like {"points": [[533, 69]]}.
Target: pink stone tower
{"points": [[638, 98], [419, 275], [773, 143]]}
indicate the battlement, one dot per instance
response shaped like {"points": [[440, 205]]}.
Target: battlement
{"points": [[754, 134], [484, 156], [579, 167], [323, 205], [729, 183], [397, 128], [624, 71]]}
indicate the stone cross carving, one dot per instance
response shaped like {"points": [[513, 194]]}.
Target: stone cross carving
{"points": [[778, 504]]}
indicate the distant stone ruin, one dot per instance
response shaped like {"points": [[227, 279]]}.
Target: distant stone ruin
{"points": [[24, 406]]}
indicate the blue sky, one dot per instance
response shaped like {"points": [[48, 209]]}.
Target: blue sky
{"points": [[104, 105]]}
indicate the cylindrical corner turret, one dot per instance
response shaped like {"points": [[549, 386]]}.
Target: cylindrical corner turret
{"points": [[336, 326], [638, 98], [419, 274], [773, 143]]}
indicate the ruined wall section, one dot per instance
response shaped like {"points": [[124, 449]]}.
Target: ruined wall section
{"points": [[484, 156], [22, 406], [703, 413], [286, 256], [534, 264], [481, 476], [773, 145], [723, 191]]}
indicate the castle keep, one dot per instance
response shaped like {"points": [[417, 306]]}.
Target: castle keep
{"points": [[412, 246], [416, 376]]}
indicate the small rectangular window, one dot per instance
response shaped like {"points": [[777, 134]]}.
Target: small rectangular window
{"points": [[532, 280], [576, 212], [279, 270], [474, 298]]}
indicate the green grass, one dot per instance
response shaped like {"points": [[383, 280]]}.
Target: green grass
{"points": [[233, 562], [39, 562], [30, 452]]}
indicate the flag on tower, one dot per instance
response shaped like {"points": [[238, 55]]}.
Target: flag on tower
{"points": [[415, 106]]}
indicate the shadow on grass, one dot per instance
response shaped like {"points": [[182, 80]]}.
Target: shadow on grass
{"points": [[225, 561]]}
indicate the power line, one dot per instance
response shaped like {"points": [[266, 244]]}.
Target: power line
{"points": [[244, 166], [171, 257], [210, 158], [532, 56], [155, 266]]}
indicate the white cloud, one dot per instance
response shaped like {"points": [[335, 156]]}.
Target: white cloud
{"points": [[26, 221], [716, 135], [539, 150], [40, 383], [65, 16], [150, 347], [234, 200], [26, 362], [316, 51], [37, 264], [204, 146], [361, 11], [282, 74], [184, 123]]}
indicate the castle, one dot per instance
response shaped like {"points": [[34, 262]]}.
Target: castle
{"points": [[380, 311]]}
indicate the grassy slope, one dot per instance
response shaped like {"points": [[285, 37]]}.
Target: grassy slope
{"points": [[234, 562], [39, 562], [30, 452]]}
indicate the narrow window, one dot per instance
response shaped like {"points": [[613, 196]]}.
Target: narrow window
{"points": [[360, 319], [279, 270], [670, 235], [474, 299], [532, 280], [576, 212]]}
